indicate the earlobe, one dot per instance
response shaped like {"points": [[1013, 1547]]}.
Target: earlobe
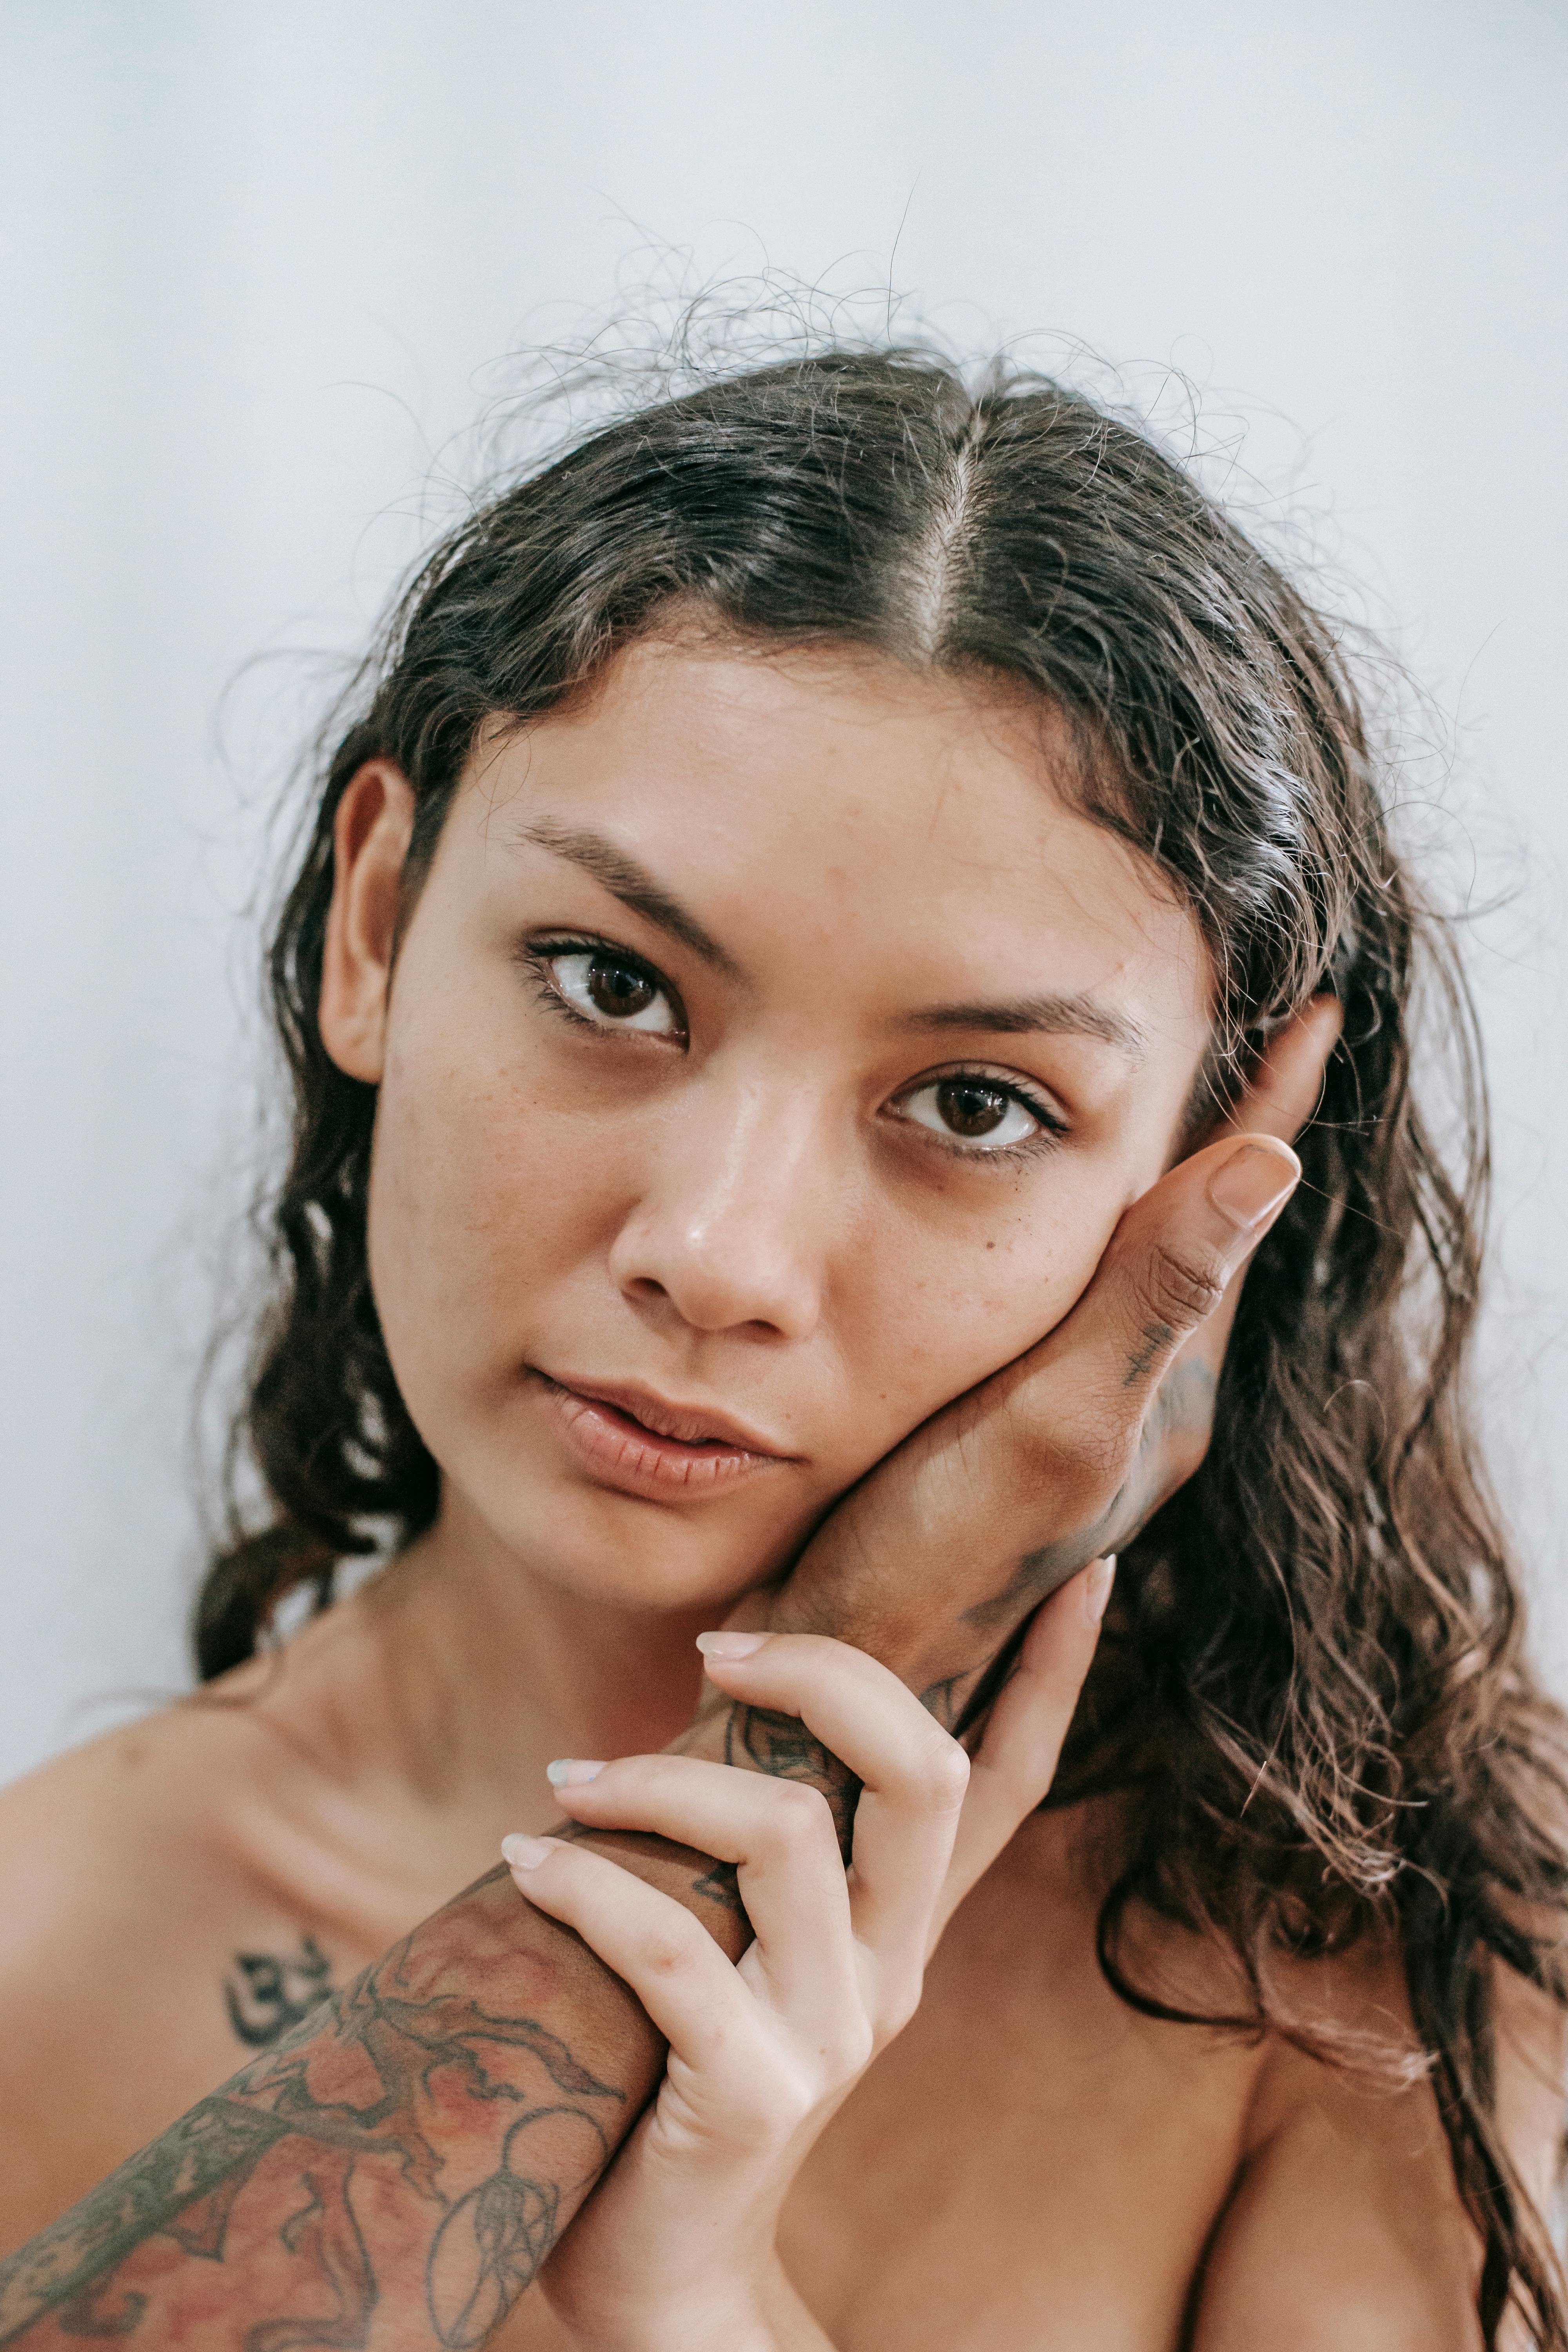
{"points": [[371, 834]]}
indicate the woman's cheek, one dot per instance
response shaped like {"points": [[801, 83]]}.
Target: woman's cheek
{"points": [[461, 1217], [958, 1313]]}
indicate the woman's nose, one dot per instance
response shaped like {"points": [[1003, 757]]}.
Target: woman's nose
{"points": [[731, 1222]]}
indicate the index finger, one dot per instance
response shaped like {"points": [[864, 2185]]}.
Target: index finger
{"points": [[911, 1774]]}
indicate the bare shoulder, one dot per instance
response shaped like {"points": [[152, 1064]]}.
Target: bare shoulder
{"points": [[149, 1931], [1345, 2228]]}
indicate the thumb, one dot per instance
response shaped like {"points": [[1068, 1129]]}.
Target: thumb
{"points": [[1168, 1266], [1282, 1097], [1080, 1413]]}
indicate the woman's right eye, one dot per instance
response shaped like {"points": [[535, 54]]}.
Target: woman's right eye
{"points": [[611, 991]]}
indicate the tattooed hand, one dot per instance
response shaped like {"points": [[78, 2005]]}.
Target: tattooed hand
{"points": [[939, 1555]]}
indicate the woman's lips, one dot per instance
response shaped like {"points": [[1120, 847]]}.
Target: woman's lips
{"points": [[646, 1445]]}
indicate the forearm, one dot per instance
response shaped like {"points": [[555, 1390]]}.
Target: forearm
{"points": [[396, 2172], [393, 2174]]}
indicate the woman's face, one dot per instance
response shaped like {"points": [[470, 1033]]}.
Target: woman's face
{"points": [[770, 1054]]}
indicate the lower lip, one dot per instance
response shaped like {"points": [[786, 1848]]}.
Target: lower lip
{"points": [[622, 1453]]}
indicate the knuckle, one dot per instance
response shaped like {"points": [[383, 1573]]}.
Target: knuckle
{"points": [[853, 2047], [757, 2117], [1181, 1286], [671, 1948], [768, 2097], [763, 2092], [801, 1815], [945, 1775]]}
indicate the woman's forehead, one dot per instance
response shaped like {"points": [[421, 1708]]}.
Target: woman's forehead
{"points": [[829, 799]]}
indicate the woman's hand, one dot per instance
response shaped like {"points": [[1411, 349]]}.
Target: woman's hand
{"points": [[675, 2252]]}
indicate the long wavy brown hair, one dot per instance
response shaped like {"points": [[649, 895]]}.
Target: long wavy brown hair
{"points": [[1324, 1621]]}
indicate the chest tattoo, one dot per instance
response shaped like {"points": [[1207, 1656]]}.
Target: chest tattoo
{"points": [[265, 1994]]}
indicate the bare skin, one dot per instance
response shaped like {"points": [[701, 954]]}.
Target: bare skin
{"points": [[750, 1217]]}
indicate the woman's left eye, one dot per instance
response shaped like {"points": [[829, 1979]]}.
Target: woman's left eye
{"points": [[979, 1112], [611, 991]]}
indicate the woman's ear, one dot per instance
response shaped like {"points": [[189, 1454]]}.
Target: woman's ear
{"points": [[370, 841]]}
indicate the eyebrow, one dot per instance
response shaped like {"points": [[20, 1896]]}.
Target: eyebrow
{"points": [[1049, 1016], [634, 887], [625, 878]]}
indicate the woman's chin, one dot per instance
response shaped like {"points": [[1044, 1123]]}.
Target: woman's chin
{"points": [[622, 1553]]}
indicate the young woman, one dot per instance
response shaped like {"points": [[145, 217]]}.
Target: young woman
{"points": [[835, 900]]}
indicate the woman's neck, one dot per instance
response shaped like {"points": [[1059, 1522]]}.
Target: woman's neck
{"points": [[448, 1683]]}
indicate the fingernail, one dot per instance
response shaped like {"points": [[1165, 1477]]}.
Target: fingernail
{"points": [[1253, 1182], [731, 1645], [570, 1771], [524, 1852], [1097, 1587]]}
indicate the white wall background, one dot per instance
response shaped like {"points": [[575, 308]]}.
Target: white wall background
{"points": [[256, 261]]}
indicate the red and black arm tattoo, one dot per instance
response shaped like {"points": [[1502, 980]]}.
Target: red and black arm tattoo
{"points": [[393, 2171]]}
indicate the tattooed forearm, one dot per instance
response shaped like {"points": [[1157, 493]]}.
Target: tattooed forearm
{"points": [[266, 1996], [392, 2173], [392, 2170]]}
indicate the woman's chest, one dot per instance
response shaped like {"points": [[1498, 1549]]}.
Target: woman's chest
{"points": [[1032, 2164]]}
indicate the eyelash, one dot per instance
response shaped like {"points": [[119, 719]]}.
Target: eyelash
{"points": [[535, 955], [1051, 1128]]}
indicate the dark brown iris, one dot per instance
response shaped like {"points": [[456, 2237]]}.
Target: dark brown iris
{"points": [[970, 1108], [618, 989]]}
